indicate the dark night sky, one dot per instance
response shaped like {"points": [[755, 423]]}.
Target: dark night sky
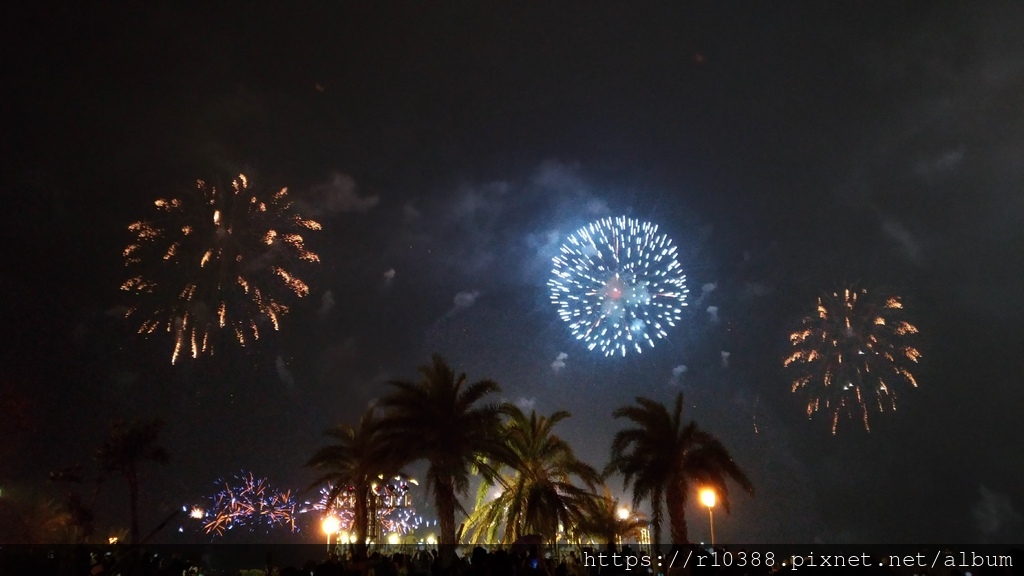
{"points": [[787, 147]]}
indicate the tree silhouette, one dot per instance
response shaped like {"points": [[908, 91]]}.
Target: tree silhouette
{"points": [[355, 462], [536, 486], [440, 419], [661, 457], [81, 511], [601, 521], [127, 447]]}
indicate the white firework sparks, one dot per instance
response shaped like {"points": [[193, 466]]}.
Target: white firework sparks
{"points": [[618, 285]]}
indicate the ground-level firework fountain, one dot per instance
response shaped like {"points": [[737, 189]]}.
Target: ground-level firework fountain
{"points": [[250, 503]]}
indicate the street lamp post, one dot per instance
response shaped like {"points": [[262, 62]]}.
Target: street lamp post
{"points": [[707, 498]]}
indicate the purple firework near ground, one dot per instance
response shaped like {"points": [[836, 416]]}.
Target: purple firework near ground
{"points": [[394, 509], [247, 501]]}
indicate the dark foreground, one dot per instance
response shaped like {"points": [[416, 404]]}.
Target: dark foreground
{"points": [[527, 560]]}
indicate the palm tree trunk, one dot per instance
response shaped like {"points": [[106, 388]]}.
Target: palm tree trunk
{"points": [[360, 521], [676, 502], [444, 498], [133, 494], [656, 520]]}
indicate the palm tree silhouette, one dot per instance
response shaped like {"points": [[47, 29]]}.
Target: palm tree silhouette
{"points": [[661, 457], [440, 419], [355, 462], [82, 511], [536, 486], [125, 449], [601, 520]]}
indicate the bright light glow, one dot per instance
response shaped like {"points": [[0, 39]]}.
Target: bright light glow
{"points": [[431, 540], [618, 285], [623, 513], [393, 539], [331, 525], [112, 540], [394, 507], [708, 497]]}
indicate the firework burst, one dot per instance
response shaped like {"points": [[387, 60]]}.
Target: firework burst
{"points": [[216, 261], [249, 501], [853, 354], [618, 285], [339, 503], [390, 503]]}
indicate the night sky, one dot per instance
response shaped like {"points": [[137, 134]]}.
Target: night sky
{"points": [[449, 149]]}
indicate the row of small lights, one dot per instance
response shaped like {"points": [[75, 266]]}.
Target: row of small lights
{"points": [[331, 525]]}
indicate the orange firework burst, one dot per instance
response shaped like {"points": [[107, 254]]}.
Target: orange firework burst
{"points": [[216, 261], [853, 354]]}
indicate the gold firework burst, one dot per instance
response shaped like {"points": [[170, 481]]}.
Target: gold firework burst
{"points": [[853, 354], [216, 260]]}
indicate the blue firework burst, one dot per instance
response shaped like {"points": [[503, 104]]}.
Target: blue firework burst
{"points": [[247, 500], [618, 285]]}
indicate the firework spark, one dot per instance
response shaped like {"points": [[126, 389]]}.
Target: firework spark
{"points": [[392, 502], [618, 285], [216, 261], [249, 501], [853, 354]]}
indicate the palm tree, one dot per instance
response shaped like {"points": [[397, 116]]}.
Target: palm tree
{"points": [[47, 522], [355, 463], [440, 419], [35, 520], [82, 512], [128, 446], [661, 458], [536, 483], [601, 520]]}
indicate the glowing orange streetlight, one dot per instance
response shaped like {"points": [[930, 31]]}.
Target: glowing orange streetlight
{"points": [[622, 514], [707, 498], [331, 525]]}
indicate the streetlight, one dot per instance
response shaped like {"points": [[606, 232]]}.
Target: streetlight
{"points": [[707, 498], [622, 514], [330, 525]]}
